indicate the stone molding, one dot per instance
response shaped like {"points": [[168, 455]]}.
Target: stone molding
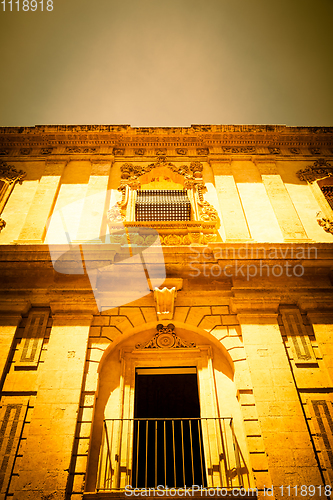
{"points": [[73, 308], [316, 304], [249, 306], [14, 307], [249, 139]]}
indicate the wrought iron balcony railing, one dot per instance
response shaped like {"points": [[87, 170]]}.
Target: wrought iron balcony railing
{"points": [[146, 453]]}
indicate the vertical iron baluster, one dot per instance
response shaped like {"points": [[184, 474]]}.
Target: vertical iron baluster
{"points": [[182, 432], [190, 427], [101, 458], [174, 452], [164, 455], [155, 453], [137, 455], [110, 446], [128, 451], [146, 469], [108, 455], [200, 445]]}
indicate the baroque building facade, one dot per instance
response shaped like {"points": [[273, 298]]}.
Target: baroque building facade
{"points": [[166, 311]]}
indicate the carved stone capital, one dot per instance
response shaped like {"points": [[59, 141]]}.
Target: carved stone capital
{"points": [[221, 165], [266, 166]]}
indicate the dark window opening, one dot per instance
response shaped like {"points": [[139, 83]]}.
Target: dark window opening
{"points": [[167, 447], [328, 193], [162, 205]]}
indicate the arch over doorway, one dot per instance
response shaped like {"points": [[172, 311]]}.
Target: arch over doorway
{"points": [[196, 352]]}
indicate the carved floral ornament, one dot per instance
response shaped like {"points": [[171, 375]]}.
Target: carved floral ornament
{"points": [[326, 224], [8, 177], [166, 338], [320, 169], [130, 173], [9, 174]]}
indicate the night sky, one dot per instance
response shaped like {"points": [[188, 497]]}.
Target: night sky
{"points": [[168, 63]]}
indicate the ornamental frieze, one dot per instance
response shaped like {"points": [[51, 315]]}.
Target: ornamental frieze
{"points": [[320, 169], [72, 150], [315, 151], [239, 150]]}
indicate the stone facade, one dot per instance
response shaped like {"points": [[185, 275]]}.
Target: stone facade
{"points": [[240, 293]]}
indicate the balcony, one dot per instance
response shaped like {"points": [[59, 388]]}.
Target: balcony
{"points": [[165, 453]]}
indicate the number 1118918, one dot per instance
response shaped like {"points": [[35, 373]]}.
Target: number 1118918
{"points": [[27, 5]]}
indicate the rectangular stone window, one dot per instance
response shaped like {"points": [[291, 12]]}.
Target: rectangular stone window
{"points": [[162, 205]]}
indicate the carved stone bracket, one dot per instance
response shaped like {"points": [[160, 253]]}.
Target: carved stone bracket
{"points": [[166, 338], [165, 302], [320, 169]]}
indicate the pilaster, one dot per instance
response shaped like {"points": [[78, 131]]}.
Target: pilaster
{"points": [[94, 203], [34, 228], [291, 457], [287, 217], [47, 457], [232, 212]]}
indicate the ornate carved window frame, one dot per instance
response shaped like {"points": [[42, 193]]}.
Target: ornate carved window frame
{"points": [[9, 176], [202, 228], [317, 175]]}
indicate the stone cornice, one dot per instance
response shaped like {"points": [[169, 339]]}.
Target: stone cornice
{"points": [[229, 139]]}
